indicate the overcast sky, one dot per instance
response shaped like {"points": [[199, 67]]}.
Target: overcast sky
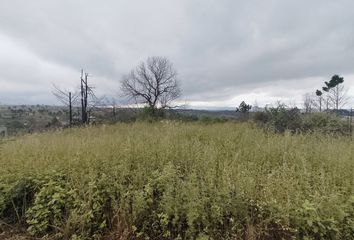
{"points": [[225, 51]]}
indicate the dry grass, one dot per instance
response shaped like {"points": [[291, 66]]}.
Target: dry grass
{"points": [[278, 170]]}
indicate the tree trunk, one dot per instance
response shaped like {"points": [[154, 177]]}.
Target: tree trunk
{"points": [[337, 97], [70, 110]]}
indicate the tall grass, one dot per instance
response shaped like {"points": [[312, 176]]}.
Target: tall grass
{"points": [[179, 181]]}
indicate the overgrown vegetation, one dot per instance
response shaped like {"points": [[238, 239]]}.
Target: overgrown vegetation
{"points": [[280, 119], [178, 181]]}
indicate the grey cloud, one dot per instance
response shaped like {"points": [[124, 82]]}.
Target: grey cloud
{"points": [[221, 48]]}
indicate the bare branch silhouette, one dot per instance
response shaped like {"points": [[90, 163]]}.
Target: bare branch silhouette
{"points": [[153, 83], [67, 98]]}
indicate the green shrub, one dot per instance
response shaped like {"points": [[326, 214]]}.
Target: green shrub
{"points": [[152, 114], [346, 230], [311, 225], [66, 212], [15, 198], [261, 117], [51, 207], [325, 122], [281, 118]]}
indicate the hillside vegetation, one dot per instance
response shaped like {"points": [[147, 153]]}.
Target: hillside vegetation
{"points": [[173, 180]]}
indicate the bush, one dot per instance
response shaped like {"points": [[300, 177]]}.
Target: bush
{"points": [[261, 117], [325, 122], [15, 198], [152, 114], [280, 118], [50, 208]]}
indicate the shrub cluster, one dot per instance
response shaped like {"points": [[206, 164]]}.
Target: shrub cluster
{"points": [[166, 207], [281, 119]]}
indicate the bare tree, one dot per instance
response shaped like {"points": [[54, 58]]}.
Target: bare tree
{"points": [[319, 99], [66, 97], [84, 90], [336, 93], [337, 97], [309, 103], [153, 83], [89, 100]]}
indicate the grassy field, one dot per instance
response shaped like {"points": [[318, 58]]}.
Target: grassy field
{"points": [[178, 181]]}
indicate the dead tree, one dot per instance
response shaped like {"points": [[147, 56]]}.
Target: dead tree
{"points": [[153, 83], [89, 101], [66, 97], [338, 97], [84, 96], [309, 103], [319, 101], [335, 92]]}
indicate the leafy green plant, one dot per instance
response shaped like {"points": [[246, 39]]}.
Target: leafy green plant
{"points": [[50, 208], [261, 117], [326, 123], [15, 198], [92, 211], [281, 118], [311, 225]]}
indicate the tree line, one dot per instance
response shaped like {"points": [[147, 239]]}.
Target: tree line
{"points": [[154, 84]]}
